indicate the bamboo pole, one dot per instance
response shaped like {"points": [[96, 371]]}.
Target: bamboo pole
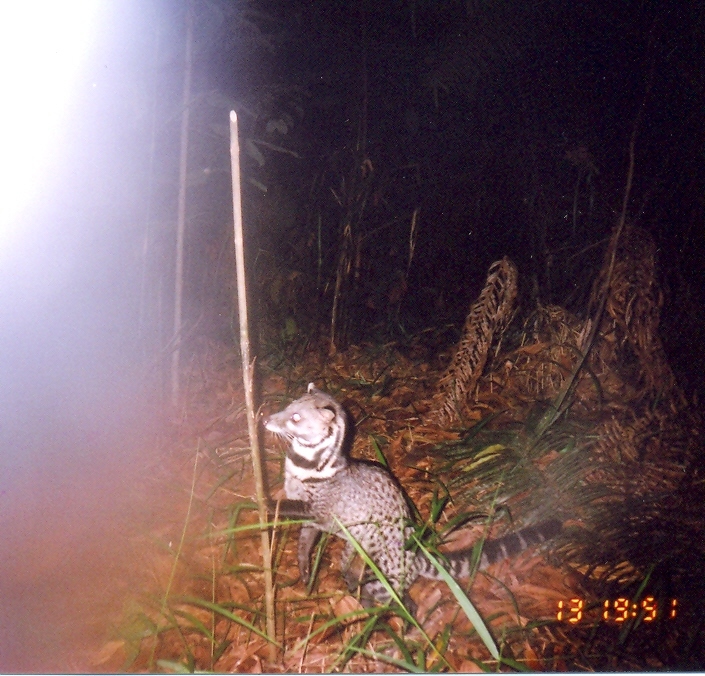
{"points": [[181, 210], [248, 383]]}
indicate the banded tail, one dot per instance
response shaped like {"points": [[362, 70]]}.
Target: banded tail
{"points": [[459, 564]]}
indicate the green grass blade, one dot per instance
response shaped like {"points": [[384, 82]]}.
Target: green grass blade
{"points": [[354, 614], [402, 664], [465, 603], [402, 610], [195, 623], [379, 575], [360, 638], [220, 610], [378, 453]]}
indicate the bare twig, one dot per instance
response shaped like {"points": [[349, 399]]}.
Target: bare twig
{"points": [[181, 210], [248, 383]]}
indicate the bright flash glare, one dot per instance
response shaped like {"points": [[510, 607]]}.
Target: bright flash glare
{"points": [[41, 48]]}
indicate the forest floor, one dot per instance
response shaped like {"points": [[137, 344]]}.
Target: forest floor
{"points": [[192, 555], [78, 532], [165, 574]]}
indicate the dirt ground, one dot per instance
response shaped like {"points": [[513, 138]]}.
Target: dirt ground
{"points": [[84, 534], [90, 534], [76, 532]]}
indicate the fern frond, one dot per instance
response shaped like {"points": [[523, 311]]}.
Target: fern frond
{"points": [[488, 316]]}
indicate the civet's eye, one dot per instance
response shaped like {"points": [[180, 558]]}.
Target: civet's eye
{"points": [[296, 418]]}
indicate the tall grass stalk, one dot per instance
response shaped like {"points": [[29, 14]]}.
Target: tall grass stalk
{"points": [[401, 609], [461, 597], [248, 384]]}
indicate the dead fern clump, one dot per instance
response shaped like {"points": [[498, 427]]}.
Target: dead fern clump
{"points": [[489, 315], [547, 354], [628, 339], [647, 450], [626, 361], [599, 433]]}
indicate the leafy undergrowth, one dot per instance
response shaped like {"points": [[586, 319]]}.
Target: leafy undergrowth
{"points": [[207, 607]]}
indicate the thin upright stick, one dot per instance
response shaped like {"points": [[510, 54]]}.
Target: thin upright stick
{"points": [[181, 211], [248, 383]]}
